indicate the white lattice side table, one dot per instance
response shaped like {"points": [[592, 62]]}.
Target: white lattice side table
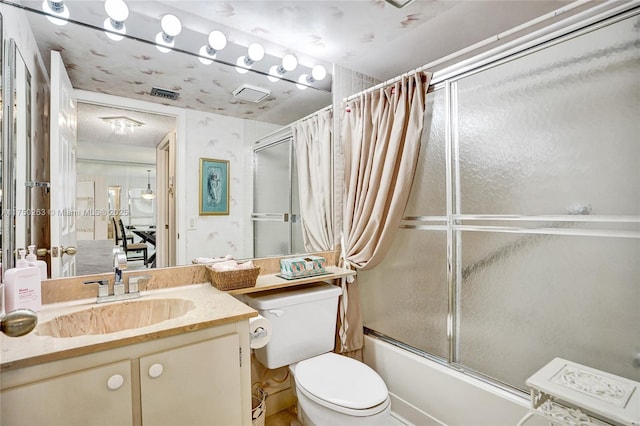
{"points": [[572, 394]]}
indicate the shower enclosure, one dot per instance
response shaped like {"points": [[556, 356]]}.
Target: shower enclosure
{"points": [[276, 207], [521, 239]]}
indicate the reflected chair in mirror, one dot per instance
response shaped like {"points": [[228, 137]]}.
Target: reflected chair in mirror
{"points": [[134, 251], [117, 233]]}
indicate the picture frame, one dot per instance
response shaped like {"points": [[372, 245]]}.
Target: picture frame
{"points": [[214, 187]]}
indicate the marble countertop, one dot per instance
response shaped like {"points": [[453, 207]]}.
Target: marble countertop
{"points": [[206, 307]]}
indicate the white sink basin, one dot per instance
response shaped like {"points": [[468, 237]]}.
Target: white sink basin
{"points": [[113, 317]]}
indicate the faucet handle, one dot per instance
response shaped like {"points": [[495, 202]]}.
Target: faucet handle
{"points": [[103, 286], [134, 282]]}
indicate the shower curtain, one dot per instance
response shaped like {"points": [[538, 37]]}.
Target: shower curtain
{"points": [[312, 147], [382, 132]]}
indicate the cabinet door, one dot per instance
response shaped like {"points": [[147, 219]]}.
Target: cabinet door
{"points": [[97, 396], [198, 384]]}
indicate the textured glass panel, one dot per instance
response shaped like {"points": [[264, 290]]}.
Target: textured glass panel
{"points": [[428, 192], [524, 301], [271, 238], [297, 243], [271, 195], [405, 297], [555, 129], [271, 186]]}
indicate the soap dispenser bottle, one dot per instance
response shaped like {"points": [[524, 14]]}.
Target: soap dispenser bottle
{"points": [[40, 264], [22, 286]]}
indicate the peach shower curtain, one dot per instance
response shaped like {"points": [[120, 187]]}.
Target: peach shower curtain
{"points": [[381, 136], [312, 147]]}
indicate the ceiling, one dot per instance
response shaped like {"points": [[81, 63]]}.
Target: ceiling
{"points": [[93, 128], [368, 36]]}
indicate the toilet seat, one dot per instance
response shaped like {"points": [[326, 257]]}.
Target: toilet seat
{"points": [[342, 384]]}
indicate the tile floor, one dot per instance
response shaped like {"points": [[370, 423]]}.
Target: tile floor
{"points": [[283, 418]]}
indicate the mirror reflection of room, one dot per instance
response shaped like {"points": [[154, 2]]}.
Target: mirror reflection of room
{"points": [[116, 185]]}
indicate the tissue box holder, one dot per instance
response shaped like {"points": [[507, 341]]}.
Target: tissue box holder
{"points": [[298, 267], [233, 280]]}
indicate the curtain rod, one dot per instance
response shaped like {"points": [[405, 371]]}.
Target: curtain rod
{"points": [[289, 126], [327, 108], [473, 47]]}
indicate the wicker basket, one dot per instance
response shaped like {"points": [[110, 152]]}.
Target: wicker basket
{"points": [[232, 280]]}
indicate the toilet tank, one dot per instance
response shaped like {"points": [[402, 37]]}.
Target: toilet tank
{"points": [[303, 322]]}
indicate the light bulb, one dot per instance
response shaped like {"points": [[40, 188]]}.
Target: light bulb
{"points": [[274, 75], [108, 25], [318, 72], [58, 9], [217, 40], [161, 43], [255, 51], [171, 25], [242, 66], [116, 10], [303, 82], [289, 62], [204, 51]]}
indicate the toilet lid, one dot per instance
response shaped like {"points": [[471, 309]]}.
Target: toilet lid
{"points": [[341, 381]]}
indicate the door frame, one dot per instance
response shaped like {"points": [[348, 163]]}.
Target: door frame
{"points": [[180, 152]]}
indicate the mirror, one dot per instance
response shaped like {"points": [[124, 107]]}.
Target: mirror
{"points": [[215, 124]]}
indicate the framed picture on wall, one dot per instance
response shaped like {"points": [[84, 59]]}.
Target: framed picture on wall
{"points": [[214, 187]]}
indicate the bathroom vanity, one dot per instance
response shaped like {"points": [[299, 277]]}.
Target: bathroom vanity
{"points": [[193, 368]]}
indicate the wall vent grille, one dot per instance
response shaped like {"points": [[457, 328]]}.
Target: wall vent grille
{"points": [[164, 93]]}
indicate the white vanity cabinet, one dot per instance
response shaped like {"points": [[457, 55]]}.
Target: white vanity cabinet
{"points": [[196, 384], [192, 378], [97, 396]]}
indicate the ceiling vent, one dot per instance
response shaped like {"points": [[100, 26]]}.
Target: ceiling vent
{"points": [[164, 93], [250, 93]]}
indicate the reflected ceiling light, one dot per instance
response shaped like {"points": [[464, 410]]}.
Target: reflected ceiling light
{"points": [[171, 27], [255, 52], [274, 75], [118, 12], [121, 125], [242, 67], [148, 194], [56, 8], [302, 82], [217, 41]]}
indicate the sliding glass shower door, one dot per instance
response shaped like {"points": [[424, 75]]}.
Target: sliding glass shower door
{"points": [[521, 239], [276, 211]]}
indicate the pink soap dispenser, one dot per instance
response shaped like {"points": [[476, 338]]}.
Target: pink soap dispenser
{"points": [[22, 288]]}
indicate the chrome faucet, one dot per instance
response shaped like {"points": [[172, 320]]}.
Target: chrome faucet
{"points": [[119, 293], [119, 264]]}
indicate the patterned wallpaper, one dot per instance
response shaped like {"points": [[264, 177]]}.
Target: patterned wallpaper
{"points": [[225, 138]]}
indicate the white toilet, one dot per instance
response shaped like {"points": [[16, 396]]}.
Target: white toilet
{"points": [[331, 389]]}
